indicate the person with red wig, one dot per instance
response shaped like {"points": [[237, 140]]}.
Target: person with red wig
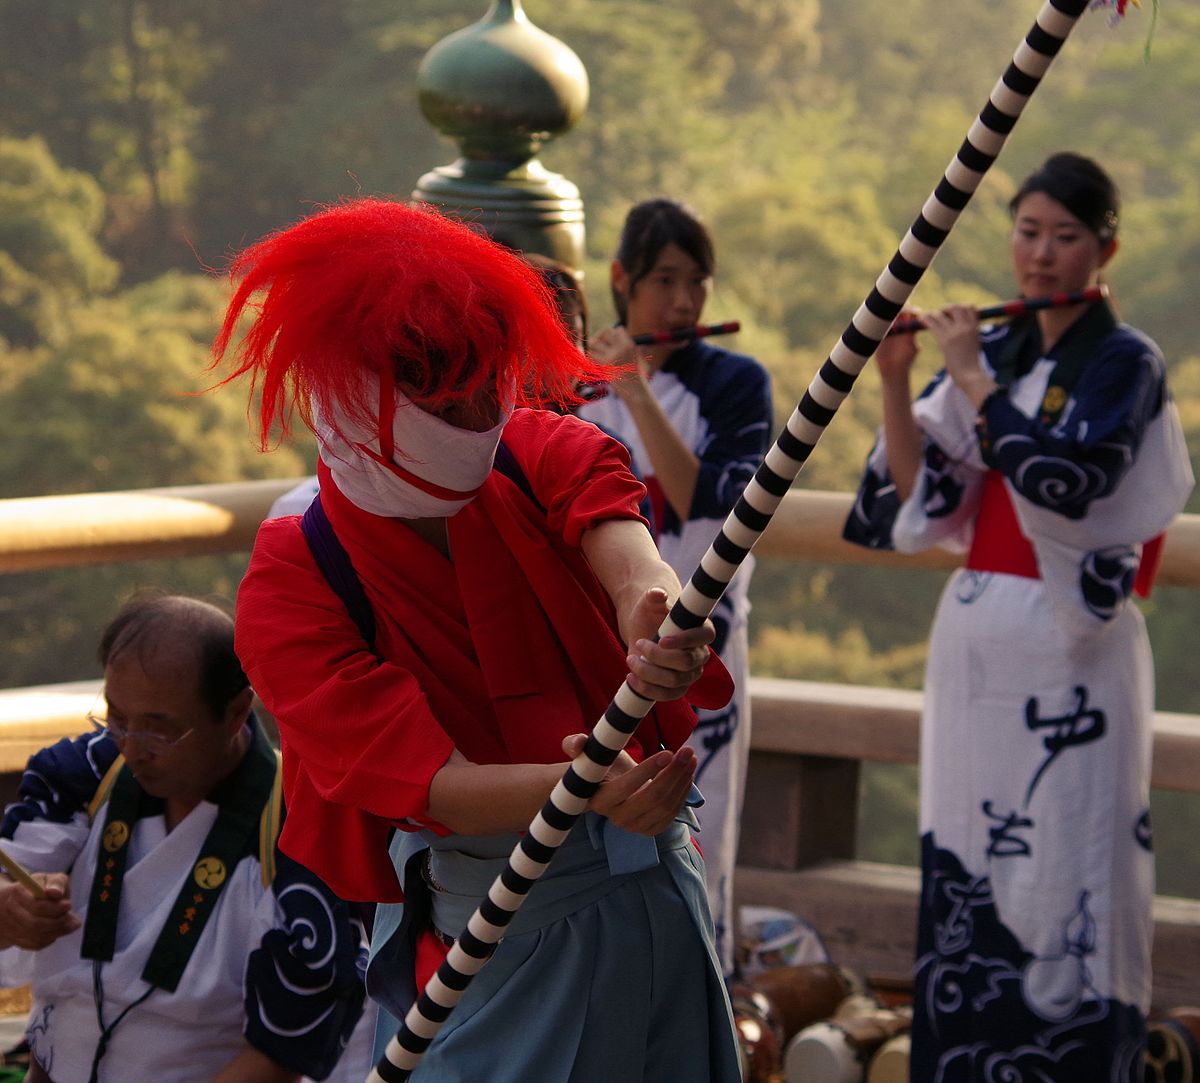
{"points": [[491, 586]]}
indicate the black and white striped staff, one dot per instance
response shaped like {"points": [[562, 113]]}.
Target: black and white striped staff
{"points": [[739, 533]]}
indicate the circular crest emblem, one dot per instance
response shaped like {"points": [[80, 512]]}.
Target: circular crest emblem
{"points": [[1055, 400], [209, 872], [1170, 1053], [116, 834]]}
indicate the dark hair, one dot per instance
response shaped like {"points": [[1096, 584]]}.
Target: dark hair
{"points": [[649, 228], [149, 621], [562, 281], [1081, 186]]}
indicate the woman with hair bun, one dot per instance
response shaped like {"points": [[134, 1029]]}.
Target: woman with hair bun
{"points": [[1051, 451]]}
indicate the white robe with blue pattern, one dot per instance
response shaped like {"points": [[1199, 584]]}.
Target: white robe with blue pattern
{"points": [[1034, 943]]}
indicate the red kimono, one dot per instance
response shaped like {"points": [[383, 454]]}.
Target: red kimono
{"points": [[500, 654]]}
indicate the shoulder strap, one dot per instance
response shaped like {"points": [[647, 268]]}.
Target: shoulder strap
{"points": [[239, 799], [270, 823], [334, 563], [1072, 354], [1018, 350], [127, 803]]}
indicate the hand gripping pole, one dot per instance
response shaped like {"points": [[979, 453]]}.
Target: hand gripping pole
{"points": [[740, 531]]}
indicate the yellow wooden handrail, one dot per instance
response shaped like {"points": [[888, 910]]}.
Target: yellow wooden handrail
{"points": [[43, 532], [791, 718], [110, 528]]}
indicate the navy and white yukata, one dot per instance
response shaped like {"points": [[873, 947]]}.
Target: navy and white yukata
{"points": [[720, 404], [1037, 871], [275, 966]]}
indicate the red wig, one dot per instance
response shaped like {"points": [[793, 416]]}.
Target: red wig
{"points": [[376, 286]]}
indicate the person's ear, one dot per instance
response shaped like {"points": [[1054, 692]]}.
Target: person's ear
{"points": [[239, 707], [620, 278], [1108, 251]]}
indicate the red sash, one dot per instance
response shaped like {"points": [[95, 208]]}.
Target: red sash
{"points": [[999, 545], [1152, 552]]}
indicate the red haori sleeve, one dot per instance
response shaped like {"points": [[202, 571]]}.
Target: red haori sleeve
{"points": [[310, 665], [580, 475], [583, 477], [358, 734]]}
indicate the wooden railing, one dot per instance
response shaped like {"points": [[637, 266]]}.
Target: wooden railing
{"points": [[810, 739], [797, 848], [111, 528]]}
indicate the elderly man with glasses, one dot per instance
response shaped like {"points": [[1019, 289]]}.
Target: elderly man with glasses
{"points": [[164, 935]]}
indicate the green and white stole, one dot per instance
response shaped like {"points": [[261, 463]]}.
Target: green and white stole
{"points": [[241, 799], [1070, 354]]}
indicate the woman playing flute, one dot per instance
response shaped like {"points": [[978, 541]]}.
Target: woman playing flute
{"points": [[1049, 449], [698, 421], [503, 605]]}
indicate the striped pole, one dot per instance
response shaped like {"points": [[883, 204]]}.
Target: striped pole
{"points": [[739, 533]]}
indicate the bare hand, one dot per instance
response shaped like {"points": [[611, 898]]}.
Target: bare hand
{"points": [[645, 797], [896, 353], [29, 922], [956, 328], [615, 346], [666, 669]]}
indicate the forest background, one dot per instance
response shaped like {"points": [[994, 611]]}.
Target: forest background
{"points": [[141, 143]]}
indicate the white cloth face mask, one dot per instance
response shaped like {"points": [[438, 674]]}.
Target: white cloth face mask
{"points": [[435, 470]]}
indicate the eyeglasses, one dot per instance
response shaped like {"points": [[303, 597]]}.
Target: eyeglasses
{"points": [[154, 743]]}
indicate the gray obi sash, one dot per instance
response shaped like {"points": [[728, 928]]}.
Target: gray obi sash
{"points": [[445, 878]]}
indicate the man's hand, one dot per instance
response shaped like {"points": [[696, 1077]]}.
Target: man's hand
{"points": [[668, 668], [643, 798], [29, 922]]}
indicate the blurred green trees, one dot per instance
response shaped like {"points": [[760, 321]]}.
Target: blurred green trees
{"points": [[98, 392]]}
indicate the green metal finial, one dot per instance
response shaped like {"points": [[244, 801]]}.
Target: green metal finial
{"points": [[501, 89]]}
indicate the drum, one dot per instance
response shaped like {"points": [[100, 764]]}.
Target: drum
{"points": [[1189, 1016], [803, 995], [760, 1036], [824, 1053], [839, 1050], [894, 990], [890, 1064]]}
